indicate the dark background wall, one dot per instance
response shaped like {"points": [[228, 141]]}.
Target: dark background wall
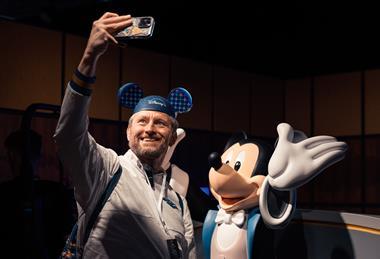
{"points": [[226, 99]]}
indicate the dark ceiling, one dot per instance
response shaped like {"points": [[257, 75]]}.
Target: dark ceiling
{"points": [[285, 40]]}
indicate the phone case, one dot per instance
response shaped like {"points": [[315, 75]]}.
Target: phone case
{"points": [[141, 28]]}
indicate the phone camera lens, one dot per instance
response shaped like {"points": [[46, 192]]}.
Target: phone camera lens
{"points": [[144, 23]]}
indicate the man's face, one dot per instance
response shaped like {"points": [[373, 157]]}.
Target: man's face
{"points": [[149, 134]]}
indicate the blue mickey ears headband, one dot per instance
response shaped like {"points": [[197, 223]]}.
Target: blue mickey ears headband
{"points": [[131, 95]]}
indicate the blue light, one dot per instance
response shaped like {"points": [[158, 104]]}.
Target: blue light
{"points": [[206, 190]]}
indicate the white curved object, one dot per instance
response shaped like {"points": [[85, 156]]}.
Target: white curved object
{"points": [[269, 220], [179, 180], [166, 162]]}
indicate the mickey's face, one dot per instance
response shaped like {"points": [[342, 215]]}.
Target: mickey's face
{"points": [[233, 184], [242, 158]]}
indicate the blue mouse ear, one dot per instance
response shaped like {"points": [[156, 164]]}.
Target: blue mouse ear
{"points": [[180, 99], [129, 95]]}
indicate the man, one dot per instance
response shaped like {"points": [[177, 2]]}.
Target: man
{"points": [[144, 217], [16, 194], [31, 206]]}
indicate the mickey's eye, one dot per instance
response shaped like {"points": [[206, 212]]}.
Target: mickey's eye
{"points": [[237, 165], [228, 157], [239, 160]]}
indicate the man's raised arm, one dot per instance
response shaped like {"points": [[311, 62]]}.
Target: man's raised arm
{"points": [[89, 164]]}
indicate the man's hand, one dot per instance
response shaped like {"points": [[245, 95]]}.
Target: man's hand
{"points": [[294, 164], [101, 34]]}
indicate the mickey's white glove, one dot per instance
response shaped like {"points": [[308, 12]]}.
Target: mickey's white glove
{"points": [[294, 164]]}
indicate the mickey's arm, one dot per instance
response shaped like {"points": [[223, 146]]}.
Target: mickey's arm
{"points": [[295, 161]]}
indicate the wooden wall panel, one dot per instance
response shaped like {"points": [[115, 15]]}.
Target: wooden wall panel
{"points": [[104, 103], [372, 104], [148, 69], [372, 185], [267, 106], [342, 182], [75, 46], [332, 207], [337, 104], [30, 67], [373, 211], [231, 103], [305, 194], [298, 104], [197, 78], [107, 134]]}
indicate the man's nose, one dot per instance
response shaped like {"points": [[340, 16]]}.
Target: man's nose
{"points": [[149, 127]]}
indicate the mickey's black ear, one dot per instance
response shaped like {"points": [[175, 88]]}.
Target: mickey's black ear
{"points": [[235, 138]]}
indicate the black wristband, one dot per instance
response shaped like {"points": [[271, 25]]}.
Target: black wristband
{"points": [[79, 89], [86, 79]]}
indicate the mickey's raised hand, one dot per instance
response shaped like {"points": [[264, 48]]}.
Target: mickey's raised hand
{"points": [[294, 164]]}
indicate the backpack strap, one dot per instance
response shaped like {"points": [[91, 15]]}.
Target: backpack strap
{"points": [[168, 174], [99, 206], [180, 202]]}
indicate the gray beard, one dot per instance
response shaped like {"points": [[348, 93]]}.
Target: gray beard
{"points": [[149, 154]]}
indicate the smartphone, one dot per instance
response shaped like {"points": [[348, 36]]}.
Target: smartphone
{"points": [[141, 28]]}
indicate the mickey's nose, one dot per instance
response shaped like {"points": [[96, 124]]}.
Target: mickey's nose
{"points": [[214, 160]]}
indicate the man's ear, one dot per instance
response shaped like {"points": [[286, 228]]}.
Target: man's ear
{"points": [[173, 138], [128, 132]]}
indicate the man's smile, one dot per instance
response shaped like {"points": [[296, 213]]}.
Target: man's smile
{"points": [[149, 139]]}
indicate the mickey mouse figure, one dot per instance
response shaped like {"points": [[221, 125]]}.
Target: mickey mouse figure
{"points": [[256, 188]]}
